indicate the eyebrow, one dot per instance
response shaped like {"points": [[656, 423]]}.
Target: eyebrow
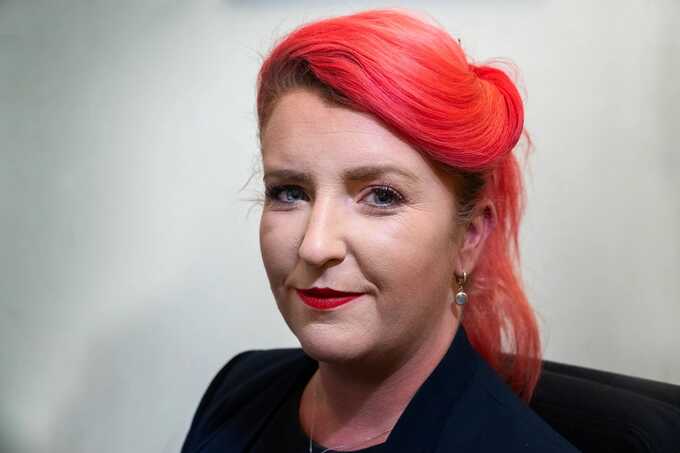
{"points": [[353, 174]]}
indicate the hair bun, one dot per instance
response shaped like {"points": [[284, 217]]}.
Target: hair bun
{"points": [[510, 121]]}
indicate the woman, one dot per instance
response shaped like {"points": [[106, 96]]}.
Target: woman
{"points": [[388, 234]]}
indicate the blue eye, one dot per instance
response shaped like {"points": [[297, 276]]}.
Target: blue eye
{"points": [[386, 197], [383, 196], [290, 194]]}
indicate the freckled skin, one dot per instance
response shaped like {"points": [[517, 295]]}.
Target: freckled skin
{"points": [[403, 257]]}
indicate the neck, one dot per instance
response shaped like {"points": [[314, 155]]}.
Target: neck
{"points": [[358, 401]]}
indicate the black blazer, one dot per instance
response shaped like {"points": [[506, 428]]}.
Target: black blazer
{"points": [[463, 406]]}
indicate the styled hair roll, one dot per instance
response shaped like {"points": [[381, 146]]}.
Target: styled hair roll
{"points": [[415, 78]]}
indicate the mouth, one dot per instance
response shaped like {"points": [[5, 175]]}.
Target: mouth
{"points": [[325, 298]]}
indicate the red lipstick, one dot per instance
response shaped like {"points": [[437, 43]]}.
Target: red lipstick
{"points": [[325, 298]]}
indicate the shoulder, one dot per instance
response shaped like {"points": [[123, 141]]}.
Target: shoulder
{"points": [[498, 420], [527, 429], [240, 383]]}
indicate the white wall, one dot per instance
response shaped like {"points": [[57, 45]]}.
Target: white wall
{"points": [[130, 268]]}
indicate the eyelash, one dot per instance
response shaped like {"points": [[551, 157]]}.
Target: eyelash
{"points": [[272, 193]]}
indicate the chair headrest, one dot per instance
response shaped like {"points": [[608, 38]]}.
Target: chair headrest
{"points": [[605, 412]]}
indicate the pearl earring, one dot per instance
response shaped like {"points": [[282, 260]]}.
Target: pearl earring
{"points": [[461, 295]]}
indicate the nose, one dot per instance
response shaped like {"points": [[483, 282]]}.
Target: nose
{"points": [[323, 240]]}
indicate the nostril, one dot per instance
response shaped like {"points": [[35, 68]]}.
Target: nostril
{"points": [[321, 252]]}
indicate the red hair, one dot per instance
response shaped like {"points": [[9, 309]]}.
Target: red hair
{"points": [[416, 79]]}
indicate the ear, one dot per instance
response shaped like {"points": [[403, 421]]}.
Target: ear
{"points": [[474, 236]]}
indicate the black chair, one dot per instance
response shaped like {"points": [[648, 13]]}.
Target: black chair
{"points": [[599, 411]]}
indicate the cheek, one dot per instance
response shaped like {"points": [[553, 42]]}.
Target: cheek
{"points": [[278, 239], [408, 255]]}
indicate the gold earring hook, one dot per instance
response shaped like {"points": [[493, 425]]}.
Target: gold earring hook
{"points": [[461, 280]]}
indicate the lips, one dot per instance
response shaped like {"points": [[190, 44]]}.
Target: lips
{"points": [[325, 298]]}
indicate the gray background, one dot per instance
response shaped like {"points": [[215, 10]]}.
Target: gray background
{"points": [[130, 268]]}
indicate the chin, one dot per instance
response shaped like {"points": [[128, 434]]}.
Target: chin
{"points": [[326, 343]]}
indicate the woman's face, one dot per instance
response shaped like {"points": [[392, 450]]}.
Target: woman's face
{"points": [[352, 207]]}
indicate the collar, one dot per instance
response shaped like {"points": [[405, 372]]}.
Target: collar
{"points": [[420, 425]]}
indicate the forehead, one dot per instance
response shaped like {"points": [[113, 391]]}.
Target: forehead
{"points": [[306, 130]]}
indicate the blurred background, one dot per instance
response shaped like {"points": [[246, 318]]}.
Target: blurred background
{"points": [[130, 269]]}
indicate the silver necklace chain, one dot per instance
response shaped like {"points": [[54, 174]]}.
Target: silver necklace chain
{"points": [[311, 433]]}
